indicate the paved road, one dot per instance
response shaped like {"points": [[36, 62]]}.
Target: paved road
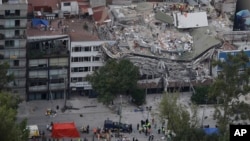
{"points": [[94, 113]]}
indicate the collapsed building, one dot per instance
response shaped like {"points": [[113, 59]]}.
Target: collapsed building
{"points": [[171, 43]]}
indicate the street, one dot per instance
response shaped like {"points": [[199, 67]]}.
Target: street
{"points": [[87, 111]]}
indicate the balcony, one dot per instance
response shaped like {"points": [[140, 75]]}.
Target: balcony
{"points": [[16, 37], [19, 75], [37, 79], [13, 16], [38, 88], [39, 67], [12, 27], [44, 53], [57, 86]]}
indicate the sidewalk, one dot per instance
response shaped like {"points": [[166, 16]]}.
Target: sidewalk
{"points": [[87, 111]]}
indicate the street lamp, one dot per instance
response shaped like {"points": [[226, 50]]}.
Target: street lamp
{"points": [[202, 120], [65, 86], [120, 116]]}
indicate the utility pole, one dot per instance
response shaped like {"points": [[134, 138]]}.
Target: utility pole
{"points": [[120, 116], [65, 86], [202, 120]]}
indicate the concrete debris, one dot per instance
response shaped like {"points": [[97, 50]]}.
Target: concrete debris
{"points": [[177, 57]]}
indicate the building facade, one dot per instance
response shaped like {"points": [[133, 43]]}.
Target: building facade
{"points": [[85, 58], [47, 67], [69, 7], [13, 21]]}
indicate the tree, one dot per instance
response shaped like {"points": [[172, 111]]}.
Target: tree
{"points": [[231, 83], [138, 96], [4, 76], [9, 129], [181, 122], [201, 96], [115, 77]]}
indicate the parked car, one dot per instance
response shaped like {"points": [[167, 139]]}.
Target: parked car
{"points": [[116, 126], [33, 131]]}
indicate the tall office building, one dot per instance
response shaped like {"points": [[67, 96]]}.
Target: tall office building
{"points": [[13, 21]]}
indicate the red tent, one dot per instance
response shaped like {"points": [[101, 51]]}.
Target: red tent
{"points": [[61, 130]]}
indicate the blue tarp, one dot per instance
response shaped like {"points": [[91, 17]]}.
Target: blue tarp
{"points": [[223, 55], [36, 22], [243, 13], [210, 131]]}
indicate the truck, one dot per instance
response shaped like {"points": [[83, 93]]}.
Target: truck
{"points": [[115, 126], [33, 131]]}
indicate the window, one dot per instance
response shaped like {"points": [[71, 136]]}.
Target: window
{"points": [[77, 79], [16, 62], [80, 69], [66, 4], [74, 69], [96, 48], [7, 12], [17, 12], [150, 76], [86, 59], [96, 59], [86, 69], [17, 22], [87, 48], [17, 32], [60, 80], [76, 49], [74, 59], [80, 59], [37, 83], [42, 65], [74, 79], [9, 43]]}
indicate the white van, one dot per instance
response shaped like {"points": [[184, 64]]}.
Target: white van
{"points": [[33, 131]]}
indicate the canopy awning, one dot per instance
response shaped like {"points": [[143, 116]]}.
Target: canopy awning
{"points": [[64, 130]]}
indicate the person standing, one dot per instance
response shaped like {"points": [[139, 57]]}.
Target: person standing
{"points": [[149, 138], [199, 5], [152, 137]]}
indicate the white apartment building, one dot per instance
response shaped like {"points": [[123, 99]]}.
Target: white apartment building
{"points": [[85, 58], [70, 7]]}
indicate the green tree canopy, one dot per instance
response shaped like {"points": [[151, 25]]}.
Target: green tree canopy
{"points": [[201, 96], [9, 129], [231, 83], [4, 76], [183, 123], [115, 77]]}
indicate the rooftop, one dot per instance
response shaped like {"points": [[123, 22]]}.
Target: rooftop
{"points": [[54, 4], [77, 29], [100, 14], [14, 2]]}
